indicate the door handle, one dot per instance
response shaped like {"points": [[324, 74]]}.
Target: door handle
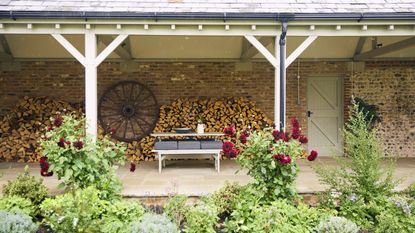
{"points": [[309, 113]]}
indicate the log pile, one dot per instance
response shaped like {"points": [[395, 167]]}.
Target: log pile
{"points": [[22, 128], [216, 114]]}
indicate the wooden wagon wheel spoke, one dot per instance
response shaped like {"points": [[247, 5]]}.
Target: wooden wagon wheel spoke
{"points": [[131, 108], [141, 127]]}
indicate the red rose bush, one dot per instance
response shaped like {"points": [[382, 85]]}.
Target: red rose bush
{"points": [[78, 162], [270, 156]]}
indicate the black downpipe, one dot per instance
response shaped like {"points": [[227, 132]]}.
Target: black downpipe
{"points": [[284, 27]]}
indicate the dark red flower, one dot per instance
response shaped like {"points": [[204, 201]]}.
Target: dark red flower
{"points": [[285, 160], [278, 157], [229, 130], [303, 139], [233, 153], [276, 134], [78, 144], [44, 163], [132, 167], [313, 155], [57, 121], [285, 136], [61, 142], [113, 131], [243, 138], [50, 128], [295, 133], [44, 167], [227, 147], [295, 124], [45, 173]]}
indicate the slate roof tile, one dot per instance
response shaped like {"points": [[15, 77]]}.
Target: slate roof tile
{"points": [[263, 6]]}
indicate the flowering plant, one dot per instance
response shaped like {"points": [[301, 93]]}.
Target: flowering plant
{"points": [[270, 157], [76, 159]]}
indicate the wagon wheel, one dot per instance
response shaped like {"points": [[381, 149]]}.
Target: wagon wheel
{"points": [[128, 110]]}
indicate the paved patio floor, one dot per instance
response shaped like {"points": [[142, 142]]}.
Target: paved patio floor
{"points": [[196, 178]]}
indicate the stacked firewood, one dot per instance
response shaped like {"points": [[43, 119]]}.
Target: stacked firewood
{"points": [[22, 128], [216, 114]]}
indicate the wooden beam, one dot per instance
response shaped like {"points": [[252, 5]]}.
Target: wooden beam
{"points": [[70, 48], [250, 51], [7, 53], [111, 47], [386, 49], [300, 49], [91, 92], [123, 51], [359, 46], [264, 51]]}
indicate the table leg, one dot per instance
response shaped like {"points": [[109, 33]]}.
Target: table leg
{"points": [[218, 158], [160, 161], [164, 162]]}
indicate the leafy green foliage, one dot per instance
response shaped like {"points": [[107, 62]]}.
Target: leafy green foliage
{"points": [[16, 223], [398, 216], [79, 162], [359, 183], [16, 204], [410, 190], [154, 223], [201, 218], [335, 224], [277, 216], [27, 186], [272, 179], [222, 198], [176, 208], [85, 211]]}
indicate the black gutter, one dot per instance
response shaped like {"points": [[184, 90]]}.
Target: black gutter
{"points": [[202, 15], [284, 27]]}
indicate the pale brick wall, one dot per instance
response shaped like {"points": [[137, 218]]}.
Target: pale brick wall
{"points": [[391, 86]]}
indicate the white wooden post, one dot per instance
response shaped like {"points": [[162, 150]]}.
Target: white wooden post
{"points": [[90, 61], [277, 86], [91, 93]]}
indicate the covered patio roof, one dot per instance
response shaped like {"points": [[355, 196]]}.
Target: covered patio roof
{"points": [[264, 25]]}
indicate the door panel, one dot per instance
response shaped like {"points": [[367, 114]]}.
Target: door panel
{"points": [[324, 97]]}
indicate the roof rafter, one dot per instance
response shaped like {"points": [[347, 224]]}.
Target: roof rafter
{"points": [[249, 51], [7, 53], [123, 51], [386, 49]]}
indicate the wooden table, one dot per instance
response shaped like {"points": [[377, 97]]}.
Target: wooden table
{"points": [[162, 153]]}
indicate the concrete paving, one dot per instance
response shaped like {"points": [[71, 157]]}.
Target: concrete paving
{"points": [[195, 178]]}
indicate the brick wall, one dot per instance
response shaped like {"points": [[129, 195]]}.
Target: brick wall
{"points": [[391, 86]]}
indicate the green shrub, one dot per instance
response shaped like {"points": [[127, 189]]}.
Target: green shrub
{"points": [[154, 223], [118, 216], [222, 198], [85, 211], [278, 216], [201, 218], [79, 162], [270, 156], [16, 204], [16, 223], [359, 184], [176, 208], [410, 190], [399, 216], [27, 186], [337, 225]]}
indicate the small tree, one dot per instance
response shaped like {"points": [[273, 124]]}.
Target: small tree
{"points": [[359, 180]]}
